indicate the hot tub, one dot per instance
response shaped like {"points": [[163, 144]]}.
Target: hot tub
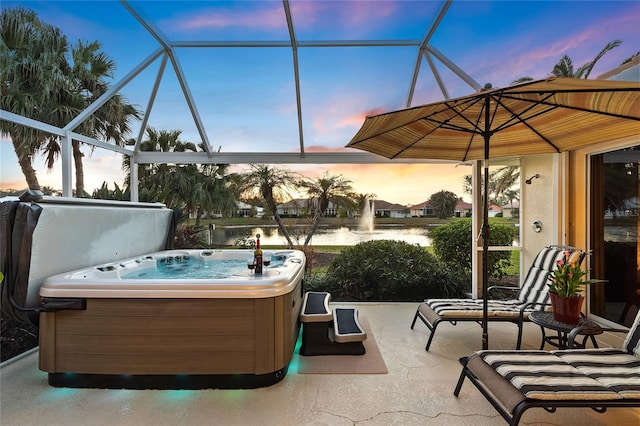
{"points": [[172, 319]]}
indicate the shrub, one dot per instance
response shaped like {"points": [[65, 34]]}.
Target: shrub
{"points": [[187, 237], [452, 245], [386, 270]]}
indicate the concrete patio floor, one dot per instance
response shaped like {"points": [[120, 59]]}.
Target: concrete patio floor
{"points": [[417, 390]]}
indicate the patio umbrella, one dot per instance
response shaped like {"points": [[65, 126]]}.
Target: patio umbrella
{"points": [[545, 116]]}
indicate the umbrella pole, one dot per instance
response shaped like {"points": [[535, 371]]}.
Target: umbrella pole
{"points": [[485, 260], [485, 232]]}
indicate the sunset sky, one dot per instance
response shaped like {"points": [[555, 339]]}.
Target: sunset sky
{"points": [[246, 96]]}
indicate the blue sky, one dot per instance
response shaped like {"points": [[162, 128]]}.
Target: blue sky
{"points": [[246, 96]]}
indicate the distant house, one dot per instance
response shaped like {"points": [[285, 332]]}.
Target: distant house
{"points": [[293, 208], [303, 207], [386, 209], [421, 210], [494, 210], [462, 209], [511, 210], [247, 210], [242, 210]]}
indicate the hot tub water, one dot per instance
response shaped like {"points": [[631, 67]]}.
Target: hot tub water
{"points": [[184, 266]]}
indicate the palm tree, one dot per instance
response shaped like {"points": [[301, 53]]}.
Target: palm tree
{"points": [[208, 191], [272, 185], [503, 180], [104, 193], [194, 188], [33, 81], [511, 195], [322, 191], [360, 200], [112, 121], [39, 82], [163, 182], [565, 68], [500, 181]]}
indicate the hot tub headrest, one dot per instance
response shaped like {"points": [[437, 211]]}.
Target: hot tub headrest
{"points": [[56, 235]]}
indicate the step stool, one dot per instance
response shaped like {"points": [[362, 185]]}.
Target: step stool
{"points": [[326, 332]]}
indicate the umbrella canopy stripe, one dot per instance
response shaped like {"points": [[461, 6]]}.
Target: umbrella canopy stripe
{"points": [[553, 115], [563, 131], [546, 116]]}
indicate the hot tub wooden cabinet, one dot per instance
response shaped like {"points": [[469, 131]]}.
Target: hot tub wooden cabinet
{"points": [[207, 340]]}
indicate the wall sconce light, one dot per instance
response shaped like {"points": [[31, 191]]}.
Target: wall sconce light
{"points": [[528, 181], [537, 226]]}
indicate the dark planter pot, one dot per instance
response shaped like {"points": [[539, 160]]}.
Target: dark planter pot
{"points": [[566, 309]]}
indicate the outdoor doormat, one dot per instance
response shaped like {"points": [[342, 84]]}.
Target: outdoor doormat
{"points": [[369, 363]]}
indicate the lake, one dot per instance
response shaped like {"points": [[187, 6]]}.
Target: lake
{"points": [[324, 236]]}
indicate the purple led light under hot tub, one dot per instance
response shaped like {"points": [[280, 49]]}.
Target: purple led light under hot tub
{"points": [[173, 319]]}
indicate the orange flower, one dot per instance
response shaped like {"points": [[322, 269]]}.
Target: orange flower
{"points": [[567, 279]]}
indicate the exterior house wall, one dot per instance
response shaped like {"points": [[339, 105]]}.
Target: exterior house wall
{"points": [[418, 212], [397, 214], [560, 199], [509, 212], [494, 210], [539, 201]]}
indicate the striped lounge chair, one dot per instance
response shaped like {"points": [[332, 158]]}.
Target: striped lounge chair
{"points": [[532, 295], [515, 381]]}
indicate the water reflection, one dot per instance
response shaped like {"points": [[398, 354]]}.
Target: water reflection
{"points": [[324, 236]]}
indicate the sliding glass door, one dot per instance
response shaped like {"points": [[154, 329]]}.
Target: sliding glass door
{"points": [[615, 227]]}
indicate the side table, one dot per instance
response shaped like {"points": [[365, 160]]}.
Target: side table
{"points": [[546, 321]]}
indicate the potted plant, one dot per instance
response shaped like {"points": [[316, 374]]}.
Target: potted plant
{"points": [[566, 284]]}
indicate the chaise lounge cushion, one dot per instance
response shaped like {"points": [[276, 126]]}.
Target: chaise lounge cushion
{"points": [[532, 295], [600, 374], [542, 375], [534, 291], [472, 308], [617, 370], [631, 342], [516, 381]]}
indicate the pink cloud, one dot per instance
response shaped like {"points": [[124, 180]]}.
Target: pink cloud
{"points": [[333, 120], [269, 16], [356, 17], [306, 13], [361, 13], [338, 113], [356, 120], [349, 15], [527, 59]]}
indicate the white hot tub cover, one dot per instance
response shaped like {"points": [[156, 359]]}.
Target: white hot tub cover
{"points": [[54, 234]]}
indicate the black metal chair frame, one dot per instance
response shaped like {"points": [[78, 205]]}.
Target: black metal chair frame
{"points": [[599, 406], [518, 321], [513, 418], [431, 319]]}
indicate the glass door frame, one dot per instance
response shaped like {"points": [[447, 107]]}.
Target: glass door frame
{"points": [[582, 159]]}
